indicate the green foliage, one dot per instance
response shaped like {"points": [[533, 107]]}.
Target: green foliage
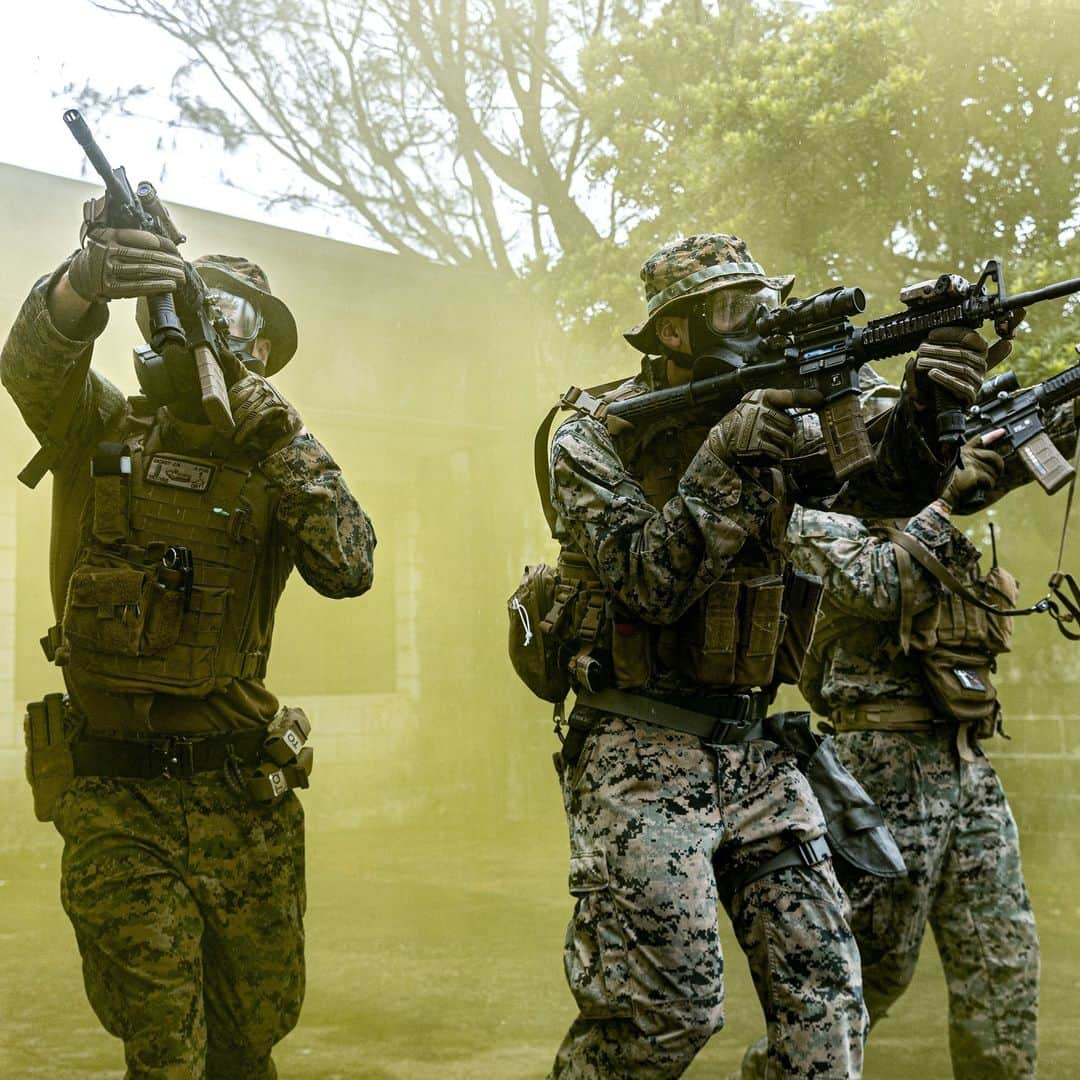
{"points": [[869, 145]]}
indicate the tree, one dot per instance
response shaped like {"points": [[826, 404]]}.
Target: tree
{"points": [[561, 141], [451, 128], [869, 145]]}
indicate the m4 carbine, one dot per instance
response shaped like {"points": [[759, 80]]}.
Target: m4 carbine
{"points": [[811, 344], [201, 327], [1020, 412]]}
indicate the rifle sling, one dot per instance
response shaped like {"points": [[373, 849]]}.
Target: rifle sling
{"points": [[54, 441], [582, 401], [933, 566]]}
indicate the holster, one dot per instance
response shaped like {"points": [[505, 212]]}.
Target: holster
{"points": [[49, 766], [858, 836]]}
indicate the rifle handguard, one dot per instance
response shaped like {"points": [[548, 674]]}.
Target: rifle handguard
{"points": [[845, 435], [1044, 461], [215, 395]]}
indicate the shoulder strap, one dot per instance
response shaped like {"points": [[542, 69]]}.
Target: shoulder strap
{"points": [[929, 562], [54, 441], [586, 402]]}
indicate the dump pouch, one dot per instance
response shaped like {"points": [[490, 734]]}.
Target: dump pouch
{"points": [[534, 649], [858, 836], [49, 765]]}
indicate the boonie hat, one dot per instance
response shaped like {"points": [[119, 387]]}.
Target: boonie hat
{"points": [[690, 267], [240, 276]]}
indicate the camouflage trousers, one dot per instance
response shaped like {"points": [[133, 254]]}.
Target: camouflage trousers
{"points": [[187, 902], [957, 835], [656, 819]]}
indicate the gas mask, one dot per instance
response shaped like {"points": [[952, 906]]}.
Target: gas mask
{"points": [[170, 376], [245, 325], [721, 326]]}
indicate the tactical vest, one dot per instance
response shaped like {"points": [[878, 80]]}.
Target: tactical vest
{"points": [[751, 629], [163, 594]]}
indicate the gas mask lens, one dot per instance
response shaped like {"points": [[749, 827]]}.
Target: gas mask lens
{"points": [[732, 310], [243, 317]]}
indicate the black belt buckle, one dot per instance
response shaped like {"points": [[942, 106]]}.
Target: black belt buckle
{"points": [[813, 852], [737, 716], [175, 757]]}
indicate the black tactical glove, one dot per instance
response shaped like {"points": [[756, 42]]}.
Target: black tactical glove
{"points": [[758, 427], [265, 421], [981, 468], [114, 264], [954, 358]]}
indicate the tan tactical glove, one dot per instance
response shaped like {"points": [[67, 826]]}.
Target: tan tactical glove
{"points": [[982, 467], [114, 264], [954, 358], [265, 421], [758, 427]]}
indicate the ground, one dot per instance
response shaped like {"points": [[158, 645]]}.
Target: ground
{"points": [[435, 953]]}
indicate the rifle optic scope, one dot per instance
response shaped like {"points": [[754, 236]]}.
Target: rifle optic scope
{"points": [[824, 307], [1005, 382]]}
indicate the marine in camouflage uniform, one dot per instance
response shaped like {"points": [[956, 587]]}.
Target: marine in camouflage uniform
{"points": [[935, 785], [187, 897], [661, 520]]}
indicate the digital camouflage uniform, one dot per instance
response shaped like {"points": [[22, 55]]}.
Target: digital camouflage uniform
{"points": [[946, 809], [187, 897], [660, 820]]}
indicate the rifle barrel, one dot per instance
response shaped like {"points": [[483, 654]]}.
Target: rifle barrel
{"points": [[81, 133], [1048, 292]]}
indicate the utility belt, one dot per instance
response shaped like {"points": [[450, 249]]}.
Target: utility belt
{"points": [[262, 764], [856, 833], [915, 717], [722, 720], [902, 715]]}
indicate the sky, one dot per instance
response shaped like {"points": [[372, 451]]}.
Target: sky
{"points": [[50, 44]]}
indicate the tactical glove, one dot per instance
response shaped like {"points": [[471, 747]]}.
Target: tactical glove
{"points": [[955, 359], [114, 264], [265, 421], [758, 427], [982, 467]]}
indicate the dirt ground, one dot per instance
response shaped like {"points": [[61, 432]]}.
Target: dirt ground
{"points": [[433, 953]]}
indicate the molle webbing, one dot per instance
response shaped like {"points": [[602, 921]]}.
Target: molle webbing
{"points": [[910, 715], [133, 623]]}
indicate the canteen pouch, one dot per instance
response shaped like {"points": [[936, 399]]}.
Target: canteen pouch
{"points": [[538, 609], [731, 636], [859, 839], [49, 765], [802, 601]]}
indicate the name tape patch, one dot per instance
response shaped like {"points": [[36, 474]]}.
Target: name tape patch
{"points": [[170, 470]]}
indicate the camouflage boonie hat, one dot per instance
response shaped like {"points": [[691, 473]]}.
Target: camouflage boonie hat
{"points": [[243, 278], [690, 267]]}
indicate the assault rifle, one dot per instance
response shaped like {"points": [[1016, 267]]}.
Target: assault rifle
{"points": [[811, 344], [1020, 412], [200, 327]]}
